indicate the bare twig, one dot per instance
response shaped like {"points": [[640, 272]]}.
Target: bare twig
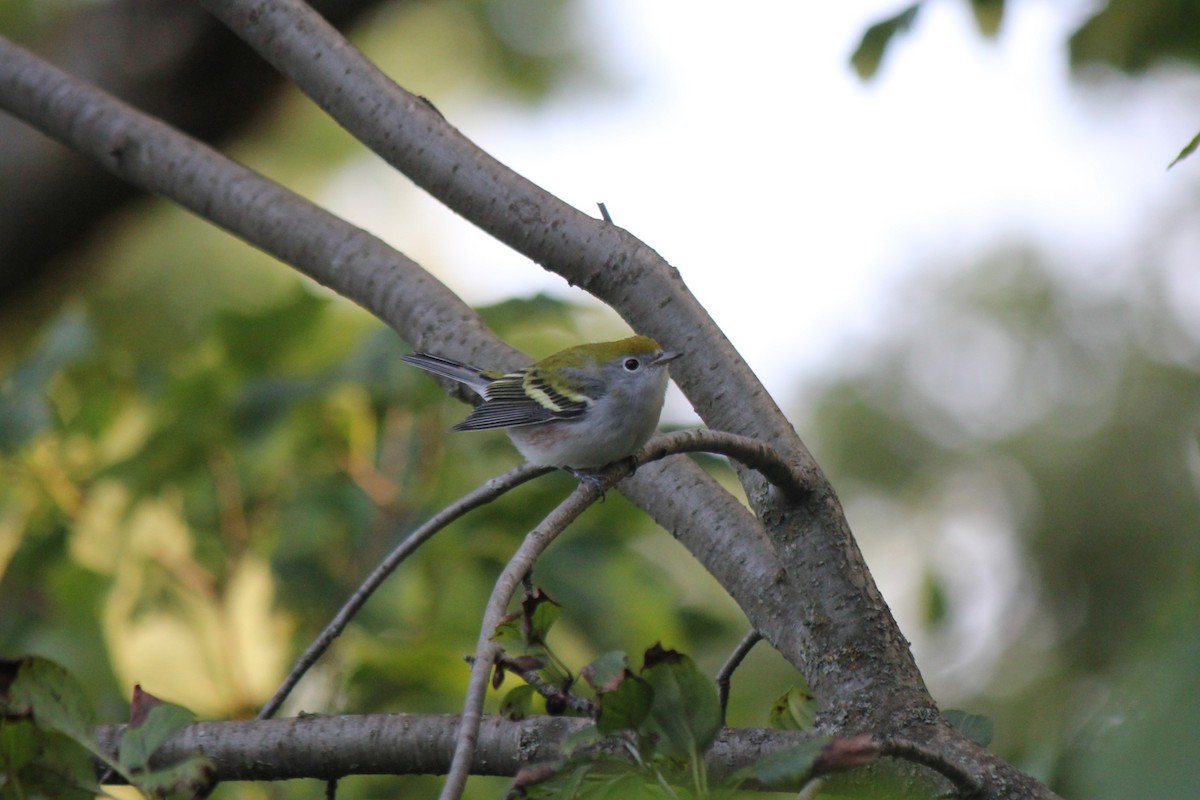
{"points": [[486, 650], [549, 691], [474, 499], [725, 675], [754, 454], [965, 782]]}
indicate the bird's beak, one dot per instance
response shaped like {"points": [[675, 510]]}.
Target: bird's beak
{"points": [[665, 356]]}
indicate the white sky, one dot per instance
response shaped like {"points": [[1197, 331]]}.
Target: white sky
{"points": [[744, 149]]}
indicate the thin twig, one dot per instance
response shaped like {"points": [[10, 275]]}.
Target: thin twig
{"points": [[485, 493], [751, 452], [965, 782], [725, 675], [548, 690], [486, 650]]}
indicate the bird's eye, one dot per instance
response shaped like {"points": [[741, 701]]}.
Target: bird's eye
{"points": [[632, 365]]}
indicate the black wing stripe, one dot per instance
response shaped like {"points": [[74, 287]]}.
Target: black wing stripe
{"points": [[510, 387]]}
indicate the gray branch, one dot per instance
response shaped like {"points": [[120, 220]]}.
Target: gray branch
{"points": [[329, 747], [799, 576]]}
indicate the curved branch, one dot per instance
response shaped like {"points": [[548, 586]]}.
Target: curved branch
{"points": [[751, 453], [150, 154], [486, 650], [725, 674], [965, 782], [197, 76], [477, 497]]}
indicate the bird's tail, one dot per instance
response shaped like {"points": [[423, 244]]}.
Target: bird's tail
{"points": [[474, 377]]}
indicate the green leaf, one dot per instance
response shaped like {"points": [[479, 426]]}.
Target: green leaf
{"points": [[518, 312], [508, 634], [794, 710], [517, 702], [187, 778], [60, 768], [988, 16], [875, 40], [1186, 151], [259, 340], [140, 742], [686, 711], [935, 600], [606, 672], [787, 767], [18, 744], [580, 738], [25, 407], [622, 786], [54, 698], [626, 707], [976, 727], [540, 613], [45, 694]]}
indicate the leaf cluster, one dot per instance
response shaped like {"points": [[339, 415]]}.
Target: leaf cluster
{"points": [[48, 750]]}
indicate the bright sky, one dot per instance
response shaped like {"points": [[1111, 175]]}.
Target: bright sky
{"points": [[744, 149]]}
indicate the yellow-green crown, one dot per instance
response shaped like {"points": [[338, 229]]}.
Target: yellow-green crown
{"points": [[601, 352]]}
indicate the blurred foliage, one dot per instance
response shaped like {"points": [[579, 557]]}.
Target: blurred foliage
{"points": [[1137, 35], [1033, 442], [876, 39], [47, 743], [1128, 35], [188, 519]]}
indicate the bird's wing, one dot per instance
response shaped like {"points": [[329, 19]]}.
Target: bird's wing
{"points": [[528, 386], [521, 398]]}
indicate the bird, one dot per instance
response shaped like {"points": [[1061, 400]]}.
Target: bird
{"points": [[579, 409]]}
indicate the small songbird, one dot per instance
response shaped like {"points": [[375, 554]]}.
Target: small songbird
{"points": [[579, 409]]}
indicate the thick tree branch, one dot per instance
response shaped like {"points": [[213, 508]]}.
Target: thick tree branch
{"points": [[329, 747]]}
